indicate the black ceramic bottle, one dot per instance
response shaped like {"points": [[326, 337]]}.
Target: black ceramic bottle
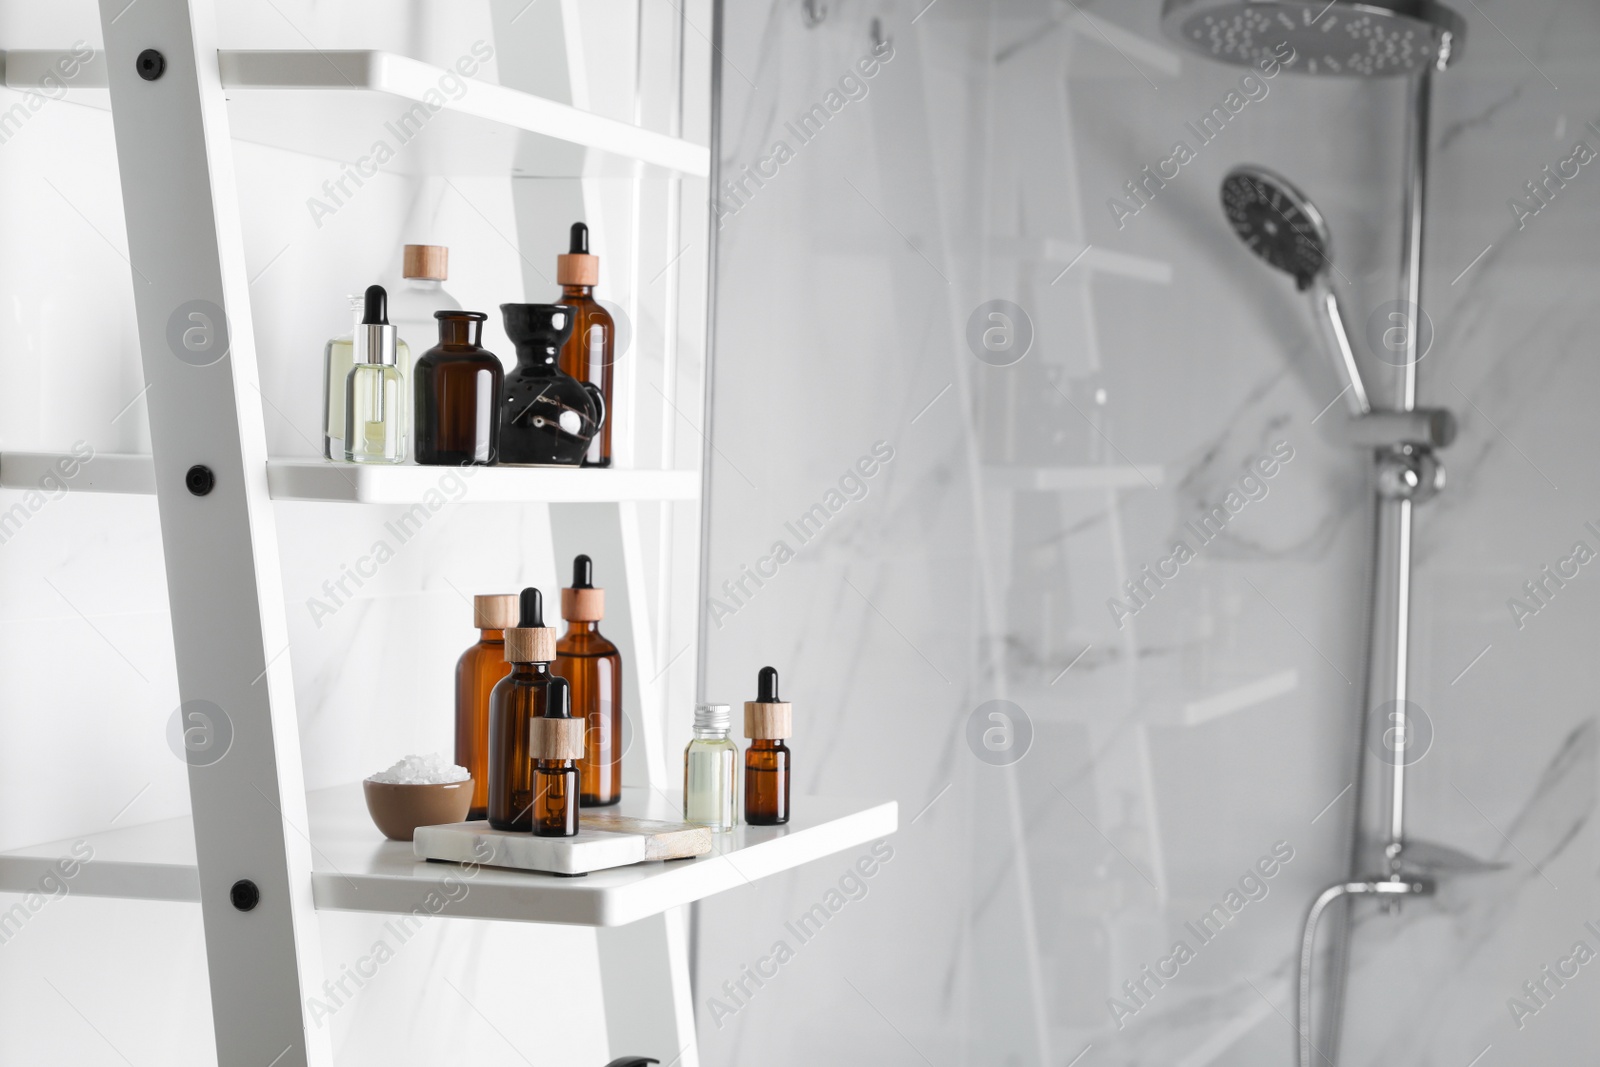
{"points": [[547, 417]]}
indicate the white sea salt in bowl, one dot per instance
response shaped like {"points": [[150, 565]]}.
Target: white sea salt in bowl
{"points": [[418, 791]]}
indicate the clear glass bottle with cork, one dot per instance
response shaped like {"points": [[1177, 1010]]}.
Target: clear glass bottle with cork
{"points": [[517, 700], [587, 659], [590, 349], [423, 272], [710, 769], [768, 722], [375, 409], [477, 672]]}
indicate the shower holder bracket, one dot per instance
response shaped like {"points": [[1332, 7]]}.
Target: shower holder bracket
{"points": [[1422, 428]]}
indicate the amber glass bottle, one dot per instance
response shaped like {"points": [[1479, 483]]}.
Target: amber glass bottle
{"points": [[555, 785], [458, 393], [767, 722], [593, 665], [479, 668], [518, 698], [590, 350]]}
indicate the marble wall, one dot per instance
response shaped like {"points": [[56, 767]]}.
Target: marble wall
{"points": [[1181, 744]]}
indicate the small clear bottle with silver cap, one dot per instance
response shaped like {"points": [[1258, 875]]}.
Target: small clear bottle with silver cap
{"points": [[375, 390], [710, 767]]}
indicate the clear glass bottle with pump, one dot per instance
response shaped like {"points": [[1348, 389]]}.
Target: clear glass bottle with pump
{"points": [[339, 357], [710, 768], [375, 392]]}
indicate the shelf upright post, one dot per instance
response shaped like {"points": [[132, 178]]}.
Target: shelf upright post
{"points": [[229, 631]]}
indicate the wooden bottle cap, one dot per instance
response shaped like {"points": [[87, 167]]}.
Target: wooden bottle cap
{"points": [[555, 738], [768, 722], [583, 605], [530, 644], [577, 268], [494, 611], [426, 261]]}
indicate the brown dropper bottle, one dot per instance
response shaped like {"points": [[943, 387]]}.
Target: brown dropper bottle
{"points": [[518, 699], [767, 722], [593, 665], [590, 349], [479, 668], [555, 740]]}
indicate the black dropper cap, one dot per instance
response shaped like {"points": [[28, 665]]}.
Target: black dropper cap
{"points": [[558, 699], [532, 613], [580, 240], [583, 573], [377, 307], [767, 687]]}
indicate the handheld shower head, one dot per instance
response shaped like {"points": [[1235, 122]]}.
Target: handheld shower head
{"points": [[1358, 38], [1280, 224]]}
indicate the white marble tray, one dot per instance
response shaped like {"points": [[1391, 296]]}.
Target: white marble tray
{"points": [[604, 840]]}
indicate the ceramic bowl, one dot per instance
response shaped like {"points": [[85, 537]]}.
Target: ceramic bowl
{"points": [[399, 809]]}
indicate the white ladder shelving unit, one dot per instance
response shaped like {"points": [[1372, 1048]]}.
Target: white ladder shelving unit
{"points": [[252, 820]]}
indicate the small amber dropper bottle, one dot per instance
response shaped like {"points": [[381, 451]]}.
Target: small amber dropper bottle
{"points": [[555, 741], [519, 698], [768, 721]]}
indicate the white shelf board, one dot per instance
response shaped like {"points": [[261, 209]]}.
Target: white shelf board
{"points": [[1240, 697], [340, 104], [315, 479], [354, 483], [355, 869], [103, 473], [153, 861], [1071, 479], [1091, 259]]}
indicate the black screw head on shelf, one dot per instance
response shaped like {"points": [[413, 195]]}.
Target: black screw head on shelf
{"points": [[200, 480], [151, 64], [244, 894]]}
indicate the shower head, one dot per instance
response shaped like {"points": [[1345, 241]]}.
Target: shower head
{"points": [[1360, 38], [1278, 222], [1283, 227]]}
